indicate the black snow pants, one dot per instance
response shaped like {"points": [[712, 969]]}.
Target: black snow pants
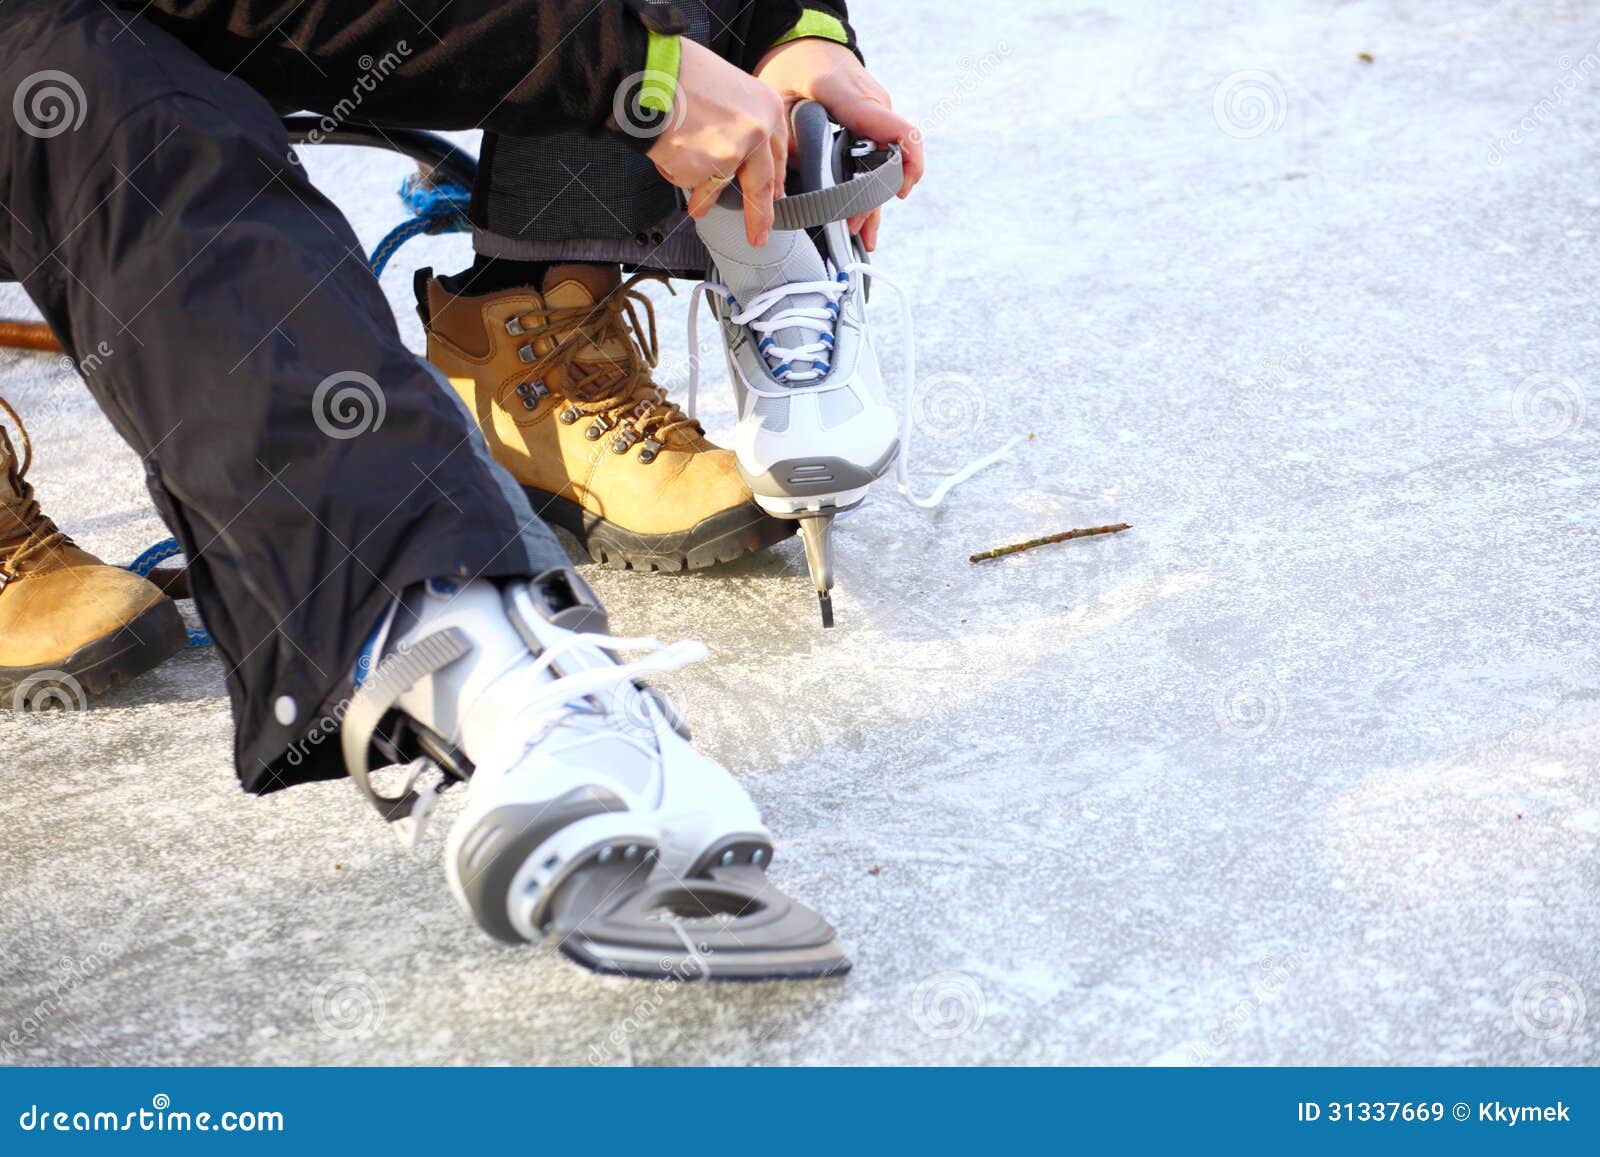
{"points": [[227, 323]]}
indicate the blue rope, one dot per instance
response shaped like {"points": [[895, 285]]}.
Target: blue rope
{"points": [[156, 555], [434, 209]]}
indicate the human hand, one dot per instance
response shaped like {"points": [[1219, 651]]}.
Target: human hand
{"points": [[830, 74], [724, 124]]}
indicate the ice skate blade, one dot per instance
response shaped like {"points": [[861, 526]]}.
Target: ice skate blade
{"points": [[816, 533], [732, 925]]}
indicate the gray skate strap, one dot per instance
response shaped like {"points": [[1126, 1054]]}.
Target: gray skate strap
{"points": [[375, 698], [862, 194], [838, 203]]}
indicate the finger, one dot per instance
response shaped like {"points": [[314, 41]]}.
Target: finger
{"points": [[780, 161], [755, 182], [857, 222], [705, 195], [869, 231], [875, 121], [915, 159]]}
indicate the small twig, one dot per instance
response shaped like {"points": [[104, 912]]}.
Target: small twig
{"points": [[1002, 551], [28, 335]]}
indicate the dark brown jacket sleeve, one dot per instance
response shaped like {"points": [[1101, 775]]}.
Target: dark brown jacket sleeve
{"points": [[525, 67], [768, 21]]}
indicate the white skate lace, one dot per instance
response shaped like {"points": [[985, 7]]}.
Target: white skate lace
{"points": [[577, 693], [821, 321], [580, 693]]}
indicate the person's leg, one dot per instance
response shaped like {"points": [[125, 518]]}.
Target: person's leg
{"points": [[308, 464], [364, 543], [566, 397], [574, 198]]}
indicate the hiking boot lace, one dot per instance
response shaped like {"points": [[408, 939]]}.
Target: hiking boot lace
{"points": [[618, 393], [25, 531]]}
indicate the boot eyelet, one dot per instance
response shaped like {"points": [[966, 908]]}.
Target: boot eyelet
{"points": [[568, 416], [624, 441], [532, 393], [648, 451], [597, 429], [526, 355], [514, 326]]}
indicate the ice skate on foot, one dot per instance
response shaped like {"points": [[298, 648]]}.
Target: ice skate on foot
{"points": [[590, 819], [816, 429]]}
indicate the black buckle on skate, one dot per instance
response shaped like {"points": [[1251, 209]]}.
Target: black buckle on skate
{"points": [[373, 703]]}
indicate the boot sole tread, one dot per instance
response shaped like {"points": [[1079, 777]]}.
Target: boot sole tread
{"points": [[723, 537], [113, 659]]}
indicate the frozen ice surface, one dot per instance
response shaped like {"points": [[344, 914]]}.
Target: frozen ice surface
{"points": [[1300, 770]]}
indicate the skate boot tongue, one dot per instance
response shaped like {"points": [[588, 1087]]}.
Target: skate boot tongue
{"points": [[748, 272]]}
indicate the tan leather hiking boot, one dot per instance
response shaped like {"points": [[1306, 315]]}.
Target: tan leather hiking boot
{"points": [[67, 620], [560, 383]]}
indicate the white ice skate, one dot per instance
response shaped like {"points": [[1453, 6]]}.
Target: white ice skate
{"points": [[589, 816], [816, 429]]}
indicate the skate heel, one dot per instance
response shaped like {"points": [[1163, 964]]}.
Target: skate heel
{"points": [[507, 866]]}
